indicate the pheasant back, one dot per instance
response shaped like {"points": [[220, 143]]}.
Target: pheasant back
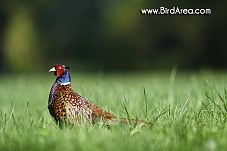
{"points": [[65, 105]]}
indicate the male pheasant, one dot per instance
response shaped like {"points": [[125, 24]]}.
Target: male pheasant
{"points": [[65, 105]]}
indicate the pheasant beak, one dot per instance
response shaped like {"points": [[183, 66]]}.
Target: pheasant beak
{"points": [[52, 69]]}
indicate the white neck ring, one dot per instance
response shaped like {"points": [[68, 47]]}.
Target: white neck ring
{"points": [[66, 83]]}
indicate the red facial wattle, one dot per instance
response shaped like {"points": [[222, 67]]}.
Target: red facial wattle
{"points": [[59, 70]]}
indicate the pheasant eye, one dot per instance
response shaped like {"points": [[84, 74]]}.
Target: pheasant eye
{"points": [[59, 68]]}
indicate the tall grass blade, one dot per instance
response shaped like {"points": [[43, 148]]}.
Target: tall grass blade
{"points": [[146, 102], [223, 102], [171, 84], [126, 109]]}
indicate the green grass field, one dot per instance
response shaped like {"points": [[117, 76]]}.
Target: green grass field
{"points": [[188, 111]]}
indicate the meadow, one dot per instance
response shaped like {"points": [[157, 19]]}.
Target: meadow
{"points": [[188, 111]]}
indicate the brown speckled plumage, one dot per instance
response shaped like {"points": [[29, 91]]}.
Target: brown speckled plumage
{"points": [[65, 105]]}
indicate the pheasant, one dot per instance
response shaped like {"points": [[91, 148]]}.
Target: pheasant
{"points": [[65, 105]]}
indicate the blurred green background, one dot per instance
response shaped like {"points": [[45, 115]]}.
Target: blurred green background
{"points": [[110, 35]]}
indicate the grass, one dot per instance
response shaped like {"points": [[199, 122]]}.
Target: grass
{"points": [[189, 112]]}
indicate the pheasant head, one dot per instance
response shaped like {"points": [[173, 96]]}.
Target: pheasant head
{"points": [[62, 74]]}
